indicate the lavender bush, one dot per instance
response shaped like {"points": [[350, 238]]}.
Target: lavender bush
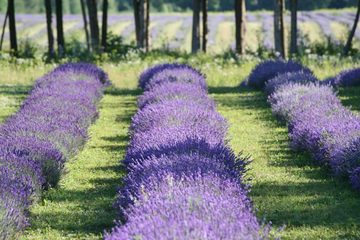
{"points": [[183, 181], [267, 70], [289, 77], [170, 72], [347, 78], [317, 121], [50, 127]]}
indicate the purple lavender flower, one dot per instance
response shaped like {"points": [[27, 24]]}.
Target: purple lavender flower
{"points": [[347, 78], [190, 208], [183, 181], [49, 128], [300, 77], [267, 70], [174, 90], [321, 125], [163, 72]]}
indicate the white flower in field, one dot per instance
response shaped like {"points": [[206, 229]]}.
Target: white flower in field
{"points": [[277, 54], [307, 51]]}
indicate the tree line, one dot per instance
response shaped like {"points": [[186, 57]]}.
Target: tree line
{"points": [[74, 6], [141, 10]]}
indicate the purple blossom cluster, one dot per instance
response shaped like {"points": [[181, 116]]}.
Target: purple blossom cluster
{"points": [[347, 78], [183, 180], [50, 127], [270, 69], [318, 123]]}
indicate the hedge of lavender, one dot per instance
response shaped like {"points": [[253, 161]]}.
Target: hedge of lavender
{"points": [[183, 181], [317, 121], [50, 127], [346, 78]]}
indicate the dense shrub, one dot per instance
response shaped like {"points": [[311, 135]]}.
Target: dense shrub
{"points": [[183, 180], [267, 70], [347, 78], [321, 125], [289, 77], [50, 127]]}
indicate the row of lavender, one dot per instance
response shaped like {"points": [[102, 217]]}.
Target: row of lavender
{"points": [[50, 127], [317, 121], [183, 181]]}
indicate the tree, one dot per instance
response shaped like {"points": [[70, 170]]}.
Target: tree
{"points": [[205, 29], [12, 26], [104, 24], [142, 18], [94, 25], [293, 42], [279, 28], [83, 10], [195, 45], [240, 25], [50, 34], [352, 32], [60, 28], [3, 30]]}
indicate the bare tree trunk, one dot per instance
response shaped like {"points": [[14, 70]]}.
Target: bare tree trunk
{"points": [[352, 33], [137, 21], [50, 34], [60, 28], [94, 25], [240, 23], [293, 44], [3, 30], [279, 28], [143, 24], [83, 10], [195, 46], [104, 24], [12, 27], [147, 23], [205, 24]]}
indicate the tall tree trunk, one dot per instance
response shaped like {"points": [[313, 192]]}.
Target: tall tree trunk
{"points": [[83, 10], [143, 24], [279, 28], [293, 44], [94, 25], [137, 22], [352, 33], [3, 30], [104, 24], [195, 46], [240, 25], [147, 23], [12, 26], [60, 28], [205, 24], [50, 34]]}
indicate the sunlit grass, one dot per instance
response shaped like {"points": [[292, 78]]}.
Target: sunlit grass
{"points": [[312, 31], [166, 35]]}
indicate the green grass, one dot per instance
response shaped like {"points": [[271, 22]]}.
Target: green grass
{"points": [[288, 189]]}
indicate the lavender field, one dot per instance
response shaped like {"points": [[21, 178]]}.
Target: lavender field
{"points": [[173, 31]]}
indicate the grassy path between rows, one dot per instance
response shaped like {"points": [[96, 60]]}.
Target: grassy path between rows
{"points": [[288, 189], [81, 206]]}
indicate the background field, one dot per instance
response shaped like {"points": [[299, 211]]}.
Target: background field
{"points": [[288, 189], [173, 30]]}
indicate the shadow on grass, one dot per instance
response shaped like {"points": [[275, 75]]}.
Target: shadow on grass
{"points": [[15, 89], [123, 92], [350, 97], [318, 199]]}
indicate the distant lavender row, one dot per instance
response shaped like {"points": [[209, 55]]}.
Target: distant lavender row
{"points": [[266, 18], [183, 181], [50, 127], [317, 121]]}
